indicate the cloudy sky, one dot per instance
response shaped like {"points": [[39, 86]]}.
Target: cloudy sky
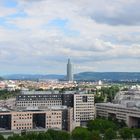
{"points": [[38, 36]]}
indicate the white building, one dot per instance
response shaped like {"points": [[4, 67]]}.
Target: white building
{"points": [[84, 109]]}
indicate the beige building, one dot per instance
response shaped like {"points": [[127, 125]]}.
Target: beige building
{"points": [[84, 109], [37, 119], [131, 115]]}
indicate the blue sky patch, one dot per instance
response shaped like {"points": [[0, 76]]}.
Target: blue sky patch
{"points": [[6, 25], [10, 3], [2, 21], [60, 23], [18, 15]]}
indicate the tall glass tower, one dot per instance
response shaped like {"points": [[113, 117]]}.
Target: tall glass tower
{"points": [[69, 71]]}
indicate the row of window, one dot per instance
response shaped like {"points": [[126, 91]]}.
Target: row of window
{"points": [[26, 124], [22, 115], [54, 104], [53, 101], [24, 118], [23, 128], [53, 123]]}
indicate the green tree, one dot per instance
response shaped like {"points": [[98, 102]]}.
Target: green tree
{"points": [[110, 134], [59, 135], [125, 133], [99, 99], [95, 135], [136, 133], [5, 94], [48, 136], [1, 137], [63, 135], [110, 92], [100, 125], [30, 136], [15, 137], [44, 136], [119, 123], [80, 133], [10, 138], [52, 133]]}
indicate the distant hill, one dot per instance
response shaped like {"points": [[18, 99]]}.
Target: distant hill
{"points": [[112, 76], [32, 76], [1, 78]]}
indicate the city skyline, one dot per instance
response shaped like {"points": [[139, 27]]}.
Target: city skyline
{"points": [[37, 37]]}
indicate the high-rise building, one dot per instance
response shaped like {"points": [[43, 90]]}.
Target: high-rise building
{"points": [[69, 71]]}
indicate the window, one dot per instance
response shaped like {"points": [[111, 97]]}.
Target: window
{"points": [[84, 99]]}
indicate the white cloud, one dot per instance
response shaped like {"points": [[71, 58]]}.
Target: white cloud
{"points": [[34, 43]]}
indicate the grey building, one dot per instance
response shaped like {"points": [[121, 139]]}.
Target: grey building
{"points": [[69, 71], [46, 100]]}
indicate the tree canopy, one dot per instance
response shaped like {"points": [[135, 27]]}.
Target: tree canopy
{"points": [[100, 125], [80, 133]]}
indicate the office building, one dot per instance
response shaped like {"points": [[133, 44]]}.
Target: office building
{"points": [[38, 99], [60, 118], [43, 99]]}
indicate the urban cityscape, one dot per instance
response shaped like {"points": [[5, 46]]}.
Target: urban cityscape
{"points": [[69, 70]]}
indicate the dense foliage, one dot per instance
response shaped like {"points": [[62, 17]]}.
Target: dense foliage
{"points": [[80, 133], [106, 94], [101, 125], [5, 94], [49, 135]]}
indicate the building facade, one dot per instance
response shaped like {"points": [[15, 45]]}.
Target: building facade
{"points": [[46, 100], [130, 115], [84, 109], [37, 119], [38, 100]]}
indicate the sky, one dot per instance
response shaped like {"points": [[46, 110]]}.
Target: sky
{"points": [[38, 36]]}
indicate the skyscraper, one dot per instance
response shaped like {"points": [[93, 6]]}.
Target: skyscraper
{"points": [[69, 71]]}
